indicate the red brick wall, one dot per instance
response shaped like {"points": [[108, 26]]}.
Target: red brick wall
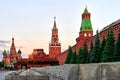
{"points": [[62, 56]]}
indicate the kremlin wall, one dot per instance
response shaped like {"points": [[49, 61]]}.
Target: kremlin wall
{"points": [[86, 34], [39, 59]]}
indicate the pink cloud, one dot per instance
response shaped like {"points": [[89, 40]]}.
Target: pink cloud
{"points": [[4, 41]]}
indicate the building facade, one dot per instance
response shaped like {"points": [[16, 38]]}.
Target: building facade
{"points": [[11, 58], [38, 58]]}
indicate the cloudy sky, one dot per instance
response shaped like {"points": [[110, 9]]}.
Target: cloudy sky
{"points": [[30, 21]]}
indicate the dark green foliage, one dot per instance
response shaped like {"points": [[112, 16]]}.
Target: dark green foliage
{"points": [[107, 55], [69, 55], [85, 53], [117, 48], [80, 56], [2, 64], [95, 54], [102, 47], [91, 46], [74, 58], [103, 57], [88, 58]]}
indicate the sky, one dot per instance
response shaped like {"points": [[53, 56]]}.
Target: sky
{"points": [[30, 21]]}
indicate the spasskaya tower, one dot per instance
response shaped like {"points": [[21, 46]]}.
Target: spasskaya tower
{"points": [[54, 46]]}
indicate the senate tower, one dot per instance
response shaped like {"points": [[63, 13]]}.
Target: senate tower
{"points": [[86, 30]]}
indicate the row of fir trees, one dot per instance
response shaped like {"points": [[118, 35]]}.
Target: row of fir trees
{"points": [[106, 51]]}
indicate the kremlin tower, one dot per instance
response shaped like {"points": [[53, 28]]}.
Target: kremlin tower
{"points": [[54, 46], [86, 30]]}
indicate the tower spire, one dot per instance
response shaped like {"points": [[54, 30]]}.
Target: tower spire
{"points": [[54, 18], [12, 39], [86, 10], [54, 26], [13, 42], [86, 6]]}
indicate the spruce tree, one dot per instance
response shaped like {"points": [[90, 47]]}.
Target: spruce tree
{"points": [[108, 51], [80, 56], [73, 58], [85, 53], [91, 46], [69, 55], [94, 56], [117, 48], [102, 47]]}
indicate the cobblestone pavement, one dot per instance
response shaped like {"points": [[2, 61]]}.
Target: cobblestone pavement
{"points": [[4, 73]]}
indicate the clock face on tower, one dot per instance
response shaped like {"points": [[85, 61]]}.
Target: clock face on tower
{"points": [[55, 39]]}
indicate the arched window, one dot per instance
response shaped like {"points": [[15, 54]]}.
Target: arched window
{"points": [[85, 34], [89, 34]]}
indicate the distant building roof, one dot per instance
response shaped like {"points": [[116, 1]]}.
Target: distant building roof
{"points": [[19, 51], [4, 52], [8, 52]]}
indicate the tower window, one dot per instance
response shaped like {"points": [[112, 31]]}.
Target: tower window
{"points": [[85, 34], [89, 34]]}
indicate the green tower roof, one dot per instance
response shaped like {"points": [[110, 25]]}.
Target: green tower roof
{"points": [[86, 11], [54, 26], [86, 25], [86, 22]]}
